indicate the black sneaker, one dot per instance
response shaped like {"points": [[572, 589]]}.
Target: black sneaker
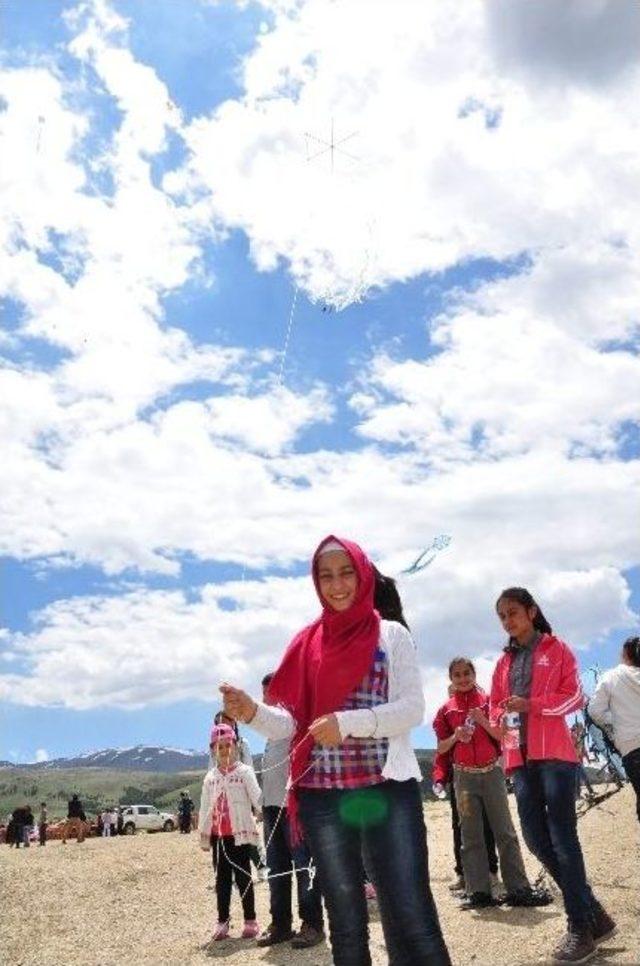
{"points": [[478, 900], [307, 937], [576, 947], [528, 897], [273, 935], [602, 925]]}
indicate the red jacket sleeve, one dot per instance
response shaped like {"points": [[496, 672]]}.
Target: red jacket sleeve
{"points": [[441, 769], [441, 725], [568, 695]]}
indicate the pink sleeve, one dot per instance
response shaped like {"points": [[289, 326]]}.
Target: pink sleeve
{"points": [[568, 696]]}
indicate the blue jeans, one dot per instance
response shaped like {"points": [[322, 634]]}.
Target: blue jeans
{"points": [[282, 857], [385, 823], [545, 794]]}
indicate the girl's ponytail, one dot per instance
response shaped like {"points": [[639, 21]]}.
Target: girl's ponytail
{"points": [[631, 648], [386, 599]]}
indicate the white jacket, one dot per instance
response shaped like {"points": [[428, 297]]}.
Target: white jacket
{"points": [[616, 705], [394, 720], [242, 791]]}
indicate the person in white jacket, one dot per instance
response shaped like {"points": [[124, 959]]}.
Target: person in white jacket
{"points": [[347, 693], [615, 706], [230, 795]]}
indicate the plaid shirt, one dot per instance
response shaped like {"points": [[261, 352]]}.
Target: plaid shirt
{"points": [[356, 762]]}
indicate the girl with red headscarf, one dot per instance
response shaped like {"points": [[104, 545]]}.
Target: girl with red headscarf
{"points": [[348, 693]]}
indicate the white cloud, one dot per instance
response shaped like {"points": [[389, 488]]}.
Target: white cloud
{"points": [[506, 436], [41, 754], [508, 378], [144, 647], [459, 156], [268, 423]]}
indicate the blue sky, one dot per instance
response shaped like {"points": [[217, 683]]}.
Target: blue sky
{"points": [[462, 355]]}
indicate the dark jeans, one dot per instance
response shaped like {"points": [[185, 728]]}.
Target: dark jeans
{"points": [[225, 851], [385, 823], [42, 833], [546, 796], [631, 764], [489, 841], [282, 857], [18, 836]]}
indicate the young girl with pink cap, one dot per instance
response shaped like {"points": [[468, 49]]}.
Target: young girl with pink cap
{"points": [[230, 795]]}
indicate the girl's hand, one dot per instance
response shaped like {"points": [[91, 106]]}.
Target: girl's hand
{"points": [[325, 730], [515, 703], [463, 734], [238, 704], [259, 815], [204, 843], [477, 715]]}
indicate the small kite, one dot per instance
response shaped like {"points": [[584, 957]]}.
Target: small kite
{"points": [[428, 556]]}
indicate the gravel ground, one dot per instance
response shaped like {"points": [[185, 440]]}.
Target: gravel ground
{"points": [[147, 901]]}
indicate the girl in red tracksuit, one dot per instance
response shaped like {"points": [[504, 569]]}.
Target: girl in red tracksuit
{"points": [[535, 685], [464, 731]]}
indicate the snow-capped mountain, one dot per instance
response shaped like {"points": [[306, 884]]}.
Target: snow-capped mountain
{"points": [[137, 758]]}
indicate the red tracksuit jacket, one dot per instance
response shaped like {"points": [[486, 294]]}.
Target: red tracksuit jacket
{"points": [[555, 692], [482, 749]]}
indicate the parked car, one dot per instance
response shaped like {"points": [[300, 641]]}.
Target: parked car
{"points": [[146, 818]]}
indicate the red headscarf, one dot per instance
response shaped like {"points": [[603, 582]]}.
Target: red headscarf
{"points": [[325, 661]]}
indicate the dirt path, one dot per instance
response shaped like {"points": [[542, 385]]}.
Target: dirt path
{"points": [[147, 901]]}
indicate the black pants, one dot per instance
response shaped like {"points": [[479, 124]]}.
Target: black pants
{"points": [[225, 851], [282, 859], [631, 764], [489, 840], [42, 833]]}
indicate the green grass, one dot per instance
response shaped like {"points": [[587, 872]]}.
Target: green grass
{"points": [[97, 788]]}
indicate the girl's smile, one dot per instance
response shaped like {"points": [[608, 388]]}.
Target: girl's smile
{"points": [[337, 579], [462, 677]]}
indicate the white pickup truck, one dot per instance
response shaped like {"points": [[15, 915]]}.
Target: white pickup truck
{"points": [[147, 818]]}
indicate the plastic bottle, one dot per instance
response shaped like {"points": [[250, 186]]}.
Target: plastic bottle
{"points": [[512, 735]]}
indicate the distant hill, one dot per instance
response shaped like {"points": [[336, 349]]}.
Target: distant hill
{"points": [[137, 758], [152, 758], [97, 788]]}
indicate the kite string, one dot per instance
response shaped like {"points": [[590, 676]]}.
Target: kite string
{"points": [[309, 869], [283, 360], [285, 348]]}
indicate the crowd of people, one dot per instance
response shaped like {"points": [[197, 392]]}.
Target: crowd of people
{"points": [[22, 828], [340, 799]]}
